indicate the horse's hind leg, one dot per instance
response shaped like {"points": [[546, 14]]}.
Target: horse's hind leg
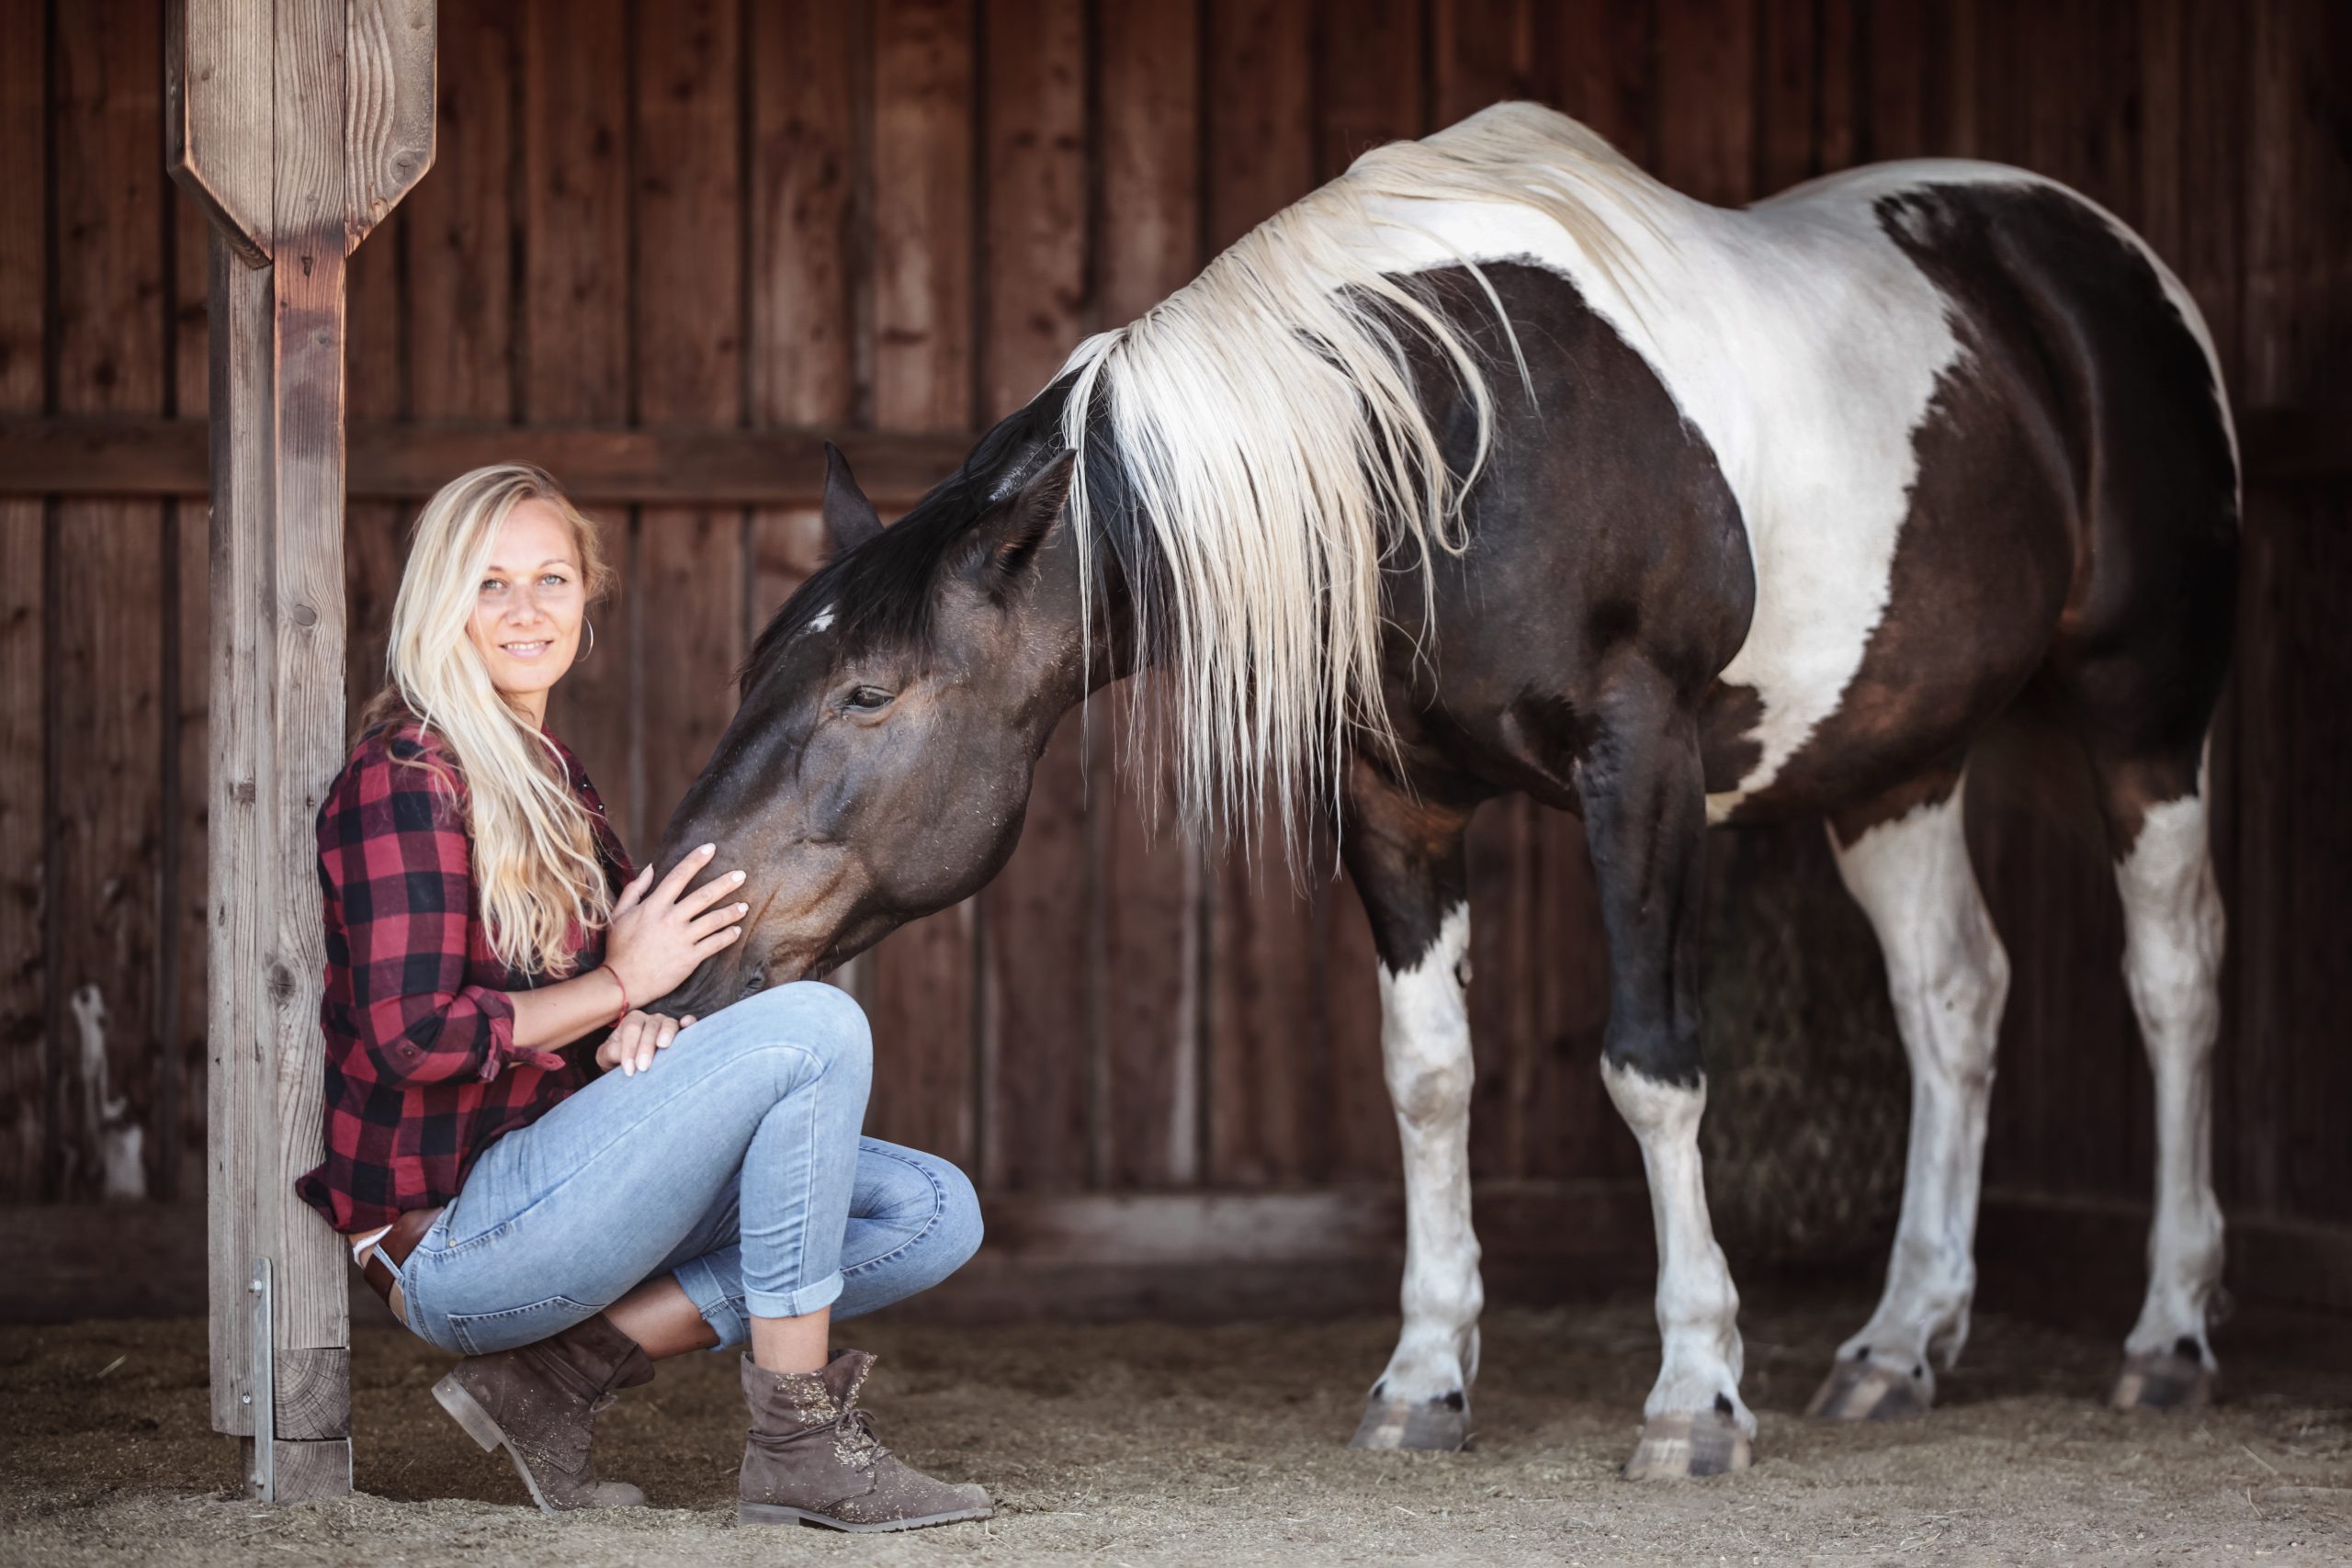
{"points": [[1406, 855], [1645, 820], [2172, 964], [1905, 860]]}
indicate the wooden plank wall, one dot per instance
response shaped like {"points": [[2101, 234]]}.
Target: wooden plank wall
{"points": [[898, 218]]}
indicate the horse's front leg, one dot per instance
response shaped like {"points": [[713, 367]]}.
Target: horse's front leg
{"points": [[1644, 806], [1406, 855]]}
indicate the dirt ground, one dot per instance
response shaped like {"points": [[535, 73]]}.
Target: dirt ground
{"points": [[1144, 1444]]}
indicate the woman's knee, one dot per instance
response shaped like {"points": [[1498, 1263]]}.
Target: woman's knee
{"points": [[959, 1217], [815, 1020]]}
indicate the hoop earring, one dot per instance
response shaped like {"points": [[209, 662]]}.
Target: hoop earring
{"points": [[591, 641]]}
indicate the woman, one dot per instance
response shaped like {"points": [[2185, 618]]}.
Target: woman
{"points": [[563, 1225]]}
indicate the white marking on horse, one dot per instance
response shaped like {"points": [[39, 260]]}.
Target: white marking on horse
{"points": [[2172, 962], [1949, 978], [1808, 396], [1425, 1046], [820, 620], [1698, 1309]]}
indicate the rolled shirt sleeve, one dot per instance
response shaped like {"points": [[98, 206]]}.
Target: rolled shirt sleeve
{"points": [[396, 863]]}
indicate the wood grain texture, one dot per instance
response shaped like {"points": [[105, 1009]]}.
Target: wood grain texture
{"points": [[24, 1035], [24, 683], [1481, 53], [277, 403], [920, 984], [1787, 89], [304, 623], [108, 821], [808, 284], [923, 214], [688, 576], [220, 106], [1148, 244], [311, 1471], [387, 126], [2290, 938], [1897, 75], [460, 231], [1601, 55], [313, 1393], [377, 386], [575, 350], [1706, 79], [1040, 960], [236, 1093], [807, 60], [779, 467]]}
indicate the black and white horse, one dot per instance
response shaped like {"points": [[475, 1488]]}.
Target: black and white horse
{"points": [[1494, 466]]}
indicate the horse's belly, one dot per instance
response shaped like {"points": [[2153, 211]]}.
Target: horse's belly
{"points": [[1823, 710]]}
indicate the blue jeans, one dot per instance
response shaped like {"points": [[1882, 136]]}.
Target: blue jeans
{"points": [[734, 1163]]}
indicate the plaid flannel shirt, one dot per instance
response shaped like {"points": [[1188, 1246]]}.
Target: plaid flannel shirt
{"points": [[422, 1071]]}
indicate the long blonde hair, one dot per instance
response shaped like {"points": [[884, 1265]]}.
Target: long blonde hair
{"points": [[534, 862], [1270, 434]]}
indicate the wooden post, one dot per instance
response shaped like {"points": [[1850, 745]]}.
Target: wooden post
{"points": [[297, 124]]}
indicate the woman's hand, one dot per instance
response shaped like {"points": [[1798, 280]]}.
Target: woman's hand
{"points": [[633, 1041], [658, 937]]}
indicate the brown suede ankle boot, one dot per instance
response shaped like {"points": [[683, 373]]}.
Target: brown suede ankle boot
{"points": [[812, 1458], [540, 1404]]}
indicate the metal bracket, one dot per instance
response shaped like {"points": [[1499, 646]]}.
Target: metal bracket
{"points": [[264, 1394]]}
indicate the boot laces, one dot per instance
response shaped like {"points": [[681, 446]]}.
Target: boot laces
{"points": [[855, 1440]]}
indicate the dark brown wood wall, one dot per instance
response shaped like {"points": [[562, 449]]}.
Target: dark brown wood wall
{"points": [[898, 218]]}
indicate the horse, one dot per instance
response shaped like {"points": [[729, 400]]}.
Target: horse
{"points": [[1495, 466]]}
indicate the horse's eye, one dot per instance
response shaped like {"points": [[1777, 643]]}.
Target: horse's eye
{"points": [[867, 699]]}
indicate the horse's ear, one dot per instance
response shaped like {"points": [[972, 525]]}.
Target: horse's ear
{"points": [[1030, 516], [850, 518]]}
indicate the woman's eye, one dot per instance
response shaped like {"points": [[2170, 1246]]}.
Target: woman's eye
{"points": [[492, 586], [867, 699], [554, 579]]}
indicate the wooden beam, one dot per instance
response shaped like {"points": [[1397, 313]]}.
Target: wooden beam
{"points": [[297, 125], [785, 467], [394, 462]]}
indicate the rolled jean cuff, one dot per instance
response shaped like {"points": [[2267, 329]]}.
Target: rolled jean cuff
{"points": [[722, 1312], [809, 1298]]}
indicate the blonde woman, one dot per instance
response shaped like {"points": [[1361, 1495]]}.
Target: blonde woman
{"points": [[538, 1176]]}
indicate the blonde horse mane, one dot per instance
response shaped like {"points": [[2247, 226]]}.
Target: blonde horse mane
{"points": [[1265, 422]]}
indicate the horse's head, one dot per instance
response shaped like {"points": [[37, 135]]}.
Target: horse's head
{"points": [[879, 764]]}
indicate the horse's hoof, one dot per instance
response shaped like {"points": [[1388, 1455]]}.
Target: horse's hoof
{"points": [[1862, 1390], [1440, 1425], [1682, 1444], [2162, 1379]]}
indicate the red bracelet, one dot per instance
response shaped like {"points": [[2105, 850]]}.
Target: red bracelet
{"points": [[624, 985]]}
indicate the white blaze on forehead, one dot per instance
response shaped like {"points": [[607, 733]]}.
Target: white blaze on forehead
{"points": [[1425, 1047]]}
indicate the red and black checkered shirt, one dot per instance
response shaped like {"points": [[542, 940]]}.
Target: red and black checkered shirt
{"points": [[422, 1071]]}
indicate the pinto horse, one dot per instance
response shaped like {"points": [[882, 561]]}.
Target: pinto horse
{"points": [[1495, 466]]}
